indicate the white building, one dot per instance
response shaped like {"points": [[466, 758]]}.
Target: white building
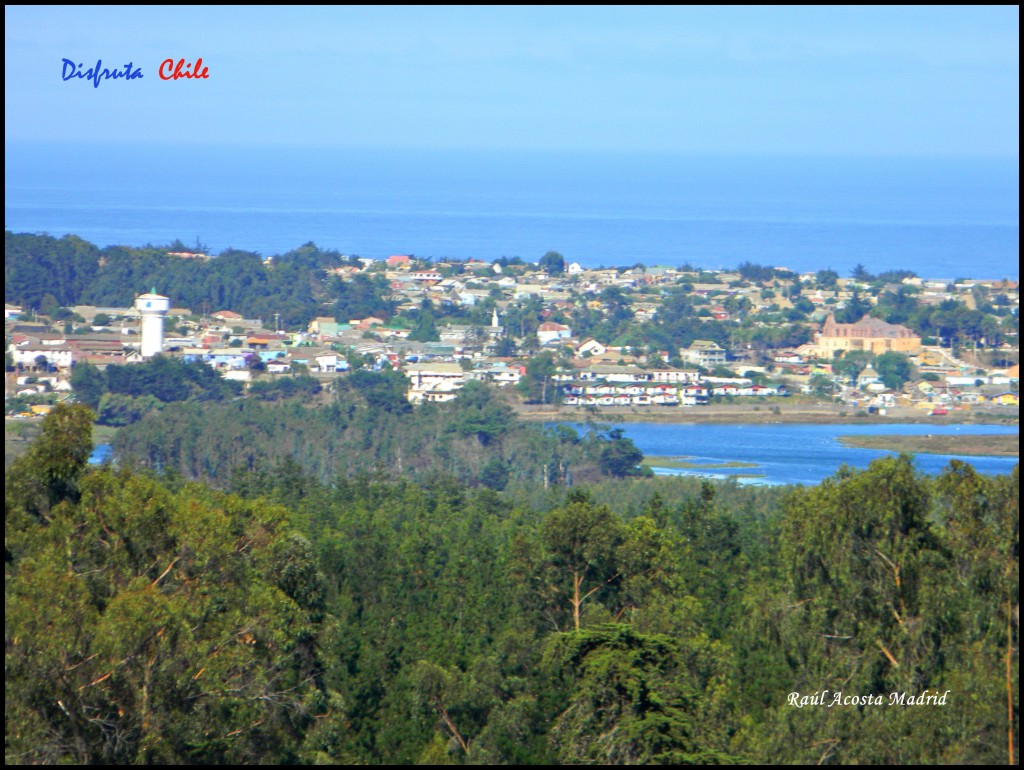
{"points": [[57, 356], [704, 353], [674, 376], [550, 331], [434, 382]]}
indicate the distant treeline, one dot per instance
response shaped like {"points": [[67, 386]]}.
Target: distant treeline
{"points": [[368, 426], [124, 394], [43, 273], [374, 619], [185, 418]]}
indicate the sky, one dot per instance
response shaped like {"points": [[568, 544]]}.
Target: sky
{"points": [[875, 81]]}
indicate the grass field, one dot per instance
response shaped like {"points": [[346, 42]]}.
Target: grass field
{"points": [[997, 446]]}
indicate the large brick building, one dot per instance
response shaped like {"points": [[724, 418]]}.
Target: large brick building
{"points": [[869, 334]]}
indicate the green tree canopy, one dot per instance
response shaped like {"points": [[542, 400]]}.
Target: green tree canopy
{"points": [[581, 538], [631, 701], [537, 385], [552, 262], [147, 626], [894, 369], [480, 414]]}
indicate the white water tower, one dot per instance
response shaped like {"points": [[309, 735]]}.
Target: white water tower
{"points": [[152, 307]]}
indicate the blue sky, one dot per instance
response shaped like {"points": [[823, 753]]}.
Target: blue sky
{"points": [[821, 81]]}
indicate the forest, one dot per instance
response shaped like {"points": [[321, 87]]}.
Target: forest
{"points": [[272, 608]]}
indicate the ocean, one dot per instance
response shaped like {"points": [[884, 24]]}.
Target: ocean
{"points": [[939, 218]]}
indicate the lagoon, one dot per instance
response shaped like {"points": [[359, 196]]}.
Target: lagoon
{"points": [[792, 454]]}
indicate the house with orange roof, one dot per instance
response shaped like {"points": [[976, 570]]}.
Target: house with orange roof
{"points": [[549, 331]]}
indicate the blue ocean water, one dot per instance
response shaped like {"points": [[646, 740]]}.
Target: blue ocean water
{"points": [[939, 218]]}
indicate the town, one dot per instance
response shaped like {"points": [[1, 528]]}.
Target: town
{"points": [[575, 337]]}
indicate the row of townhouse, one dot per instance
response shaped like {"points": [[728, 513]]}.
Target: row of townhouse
{"points": [[437, 382], [634, 395], [696, 394], [748, 390], [613, 373]]}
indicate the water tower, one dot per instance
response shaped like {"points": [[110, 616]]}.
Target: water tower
{"points": [[152, 307]]}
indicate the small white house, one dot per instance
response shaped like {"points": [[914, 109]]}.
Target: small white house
{"points": [[591, 347], [550, 331]]}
